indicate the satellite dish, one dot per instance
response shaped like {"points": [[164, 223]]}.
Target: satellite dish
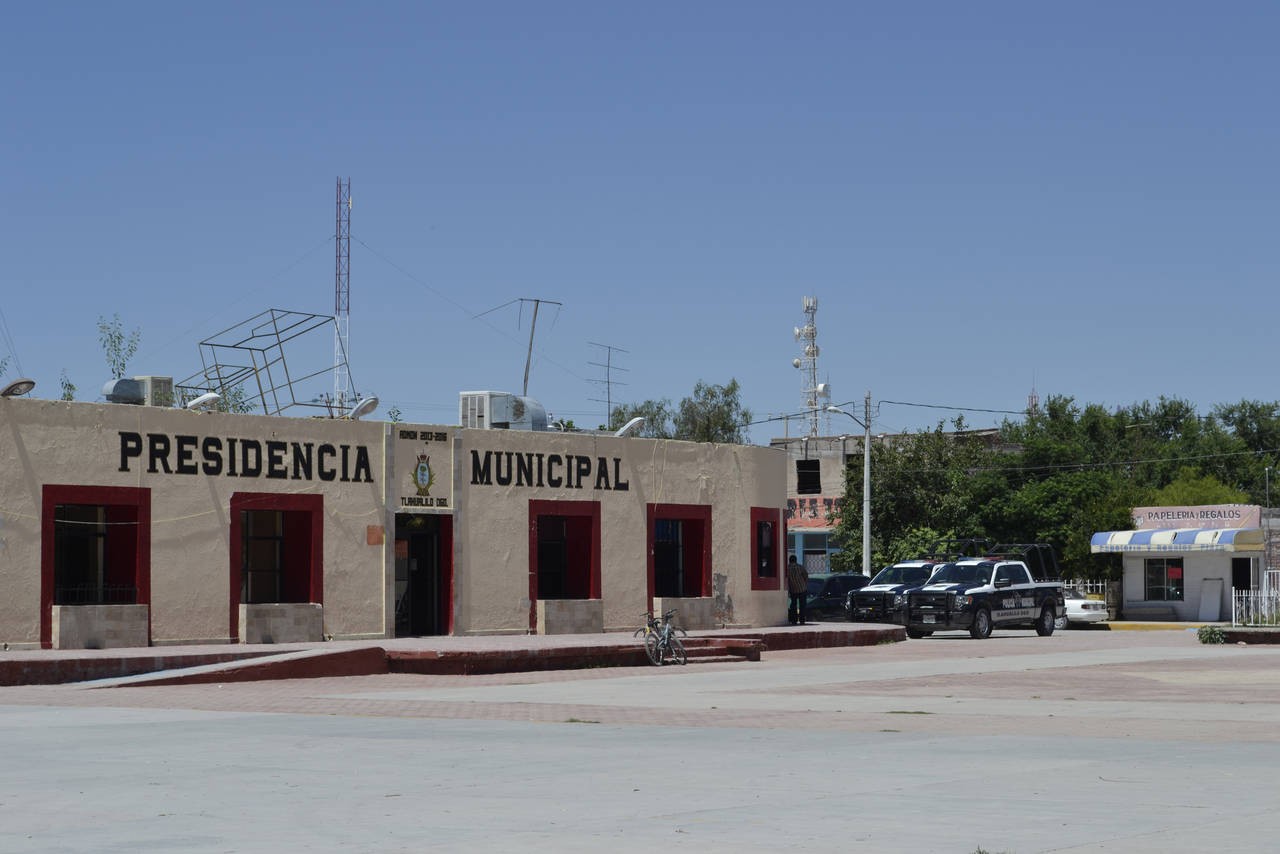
{"points": [[364, 407], [824, 389], [797, 333], [796, 362], [17, 387], [209, 398]]}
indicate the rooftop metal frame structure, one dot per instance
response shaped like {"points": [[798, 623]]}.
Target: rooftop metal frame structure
{"points": [[251, 356]]}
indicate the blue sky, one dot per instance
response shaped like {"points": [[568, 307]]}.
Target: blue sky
{"points": [[982, 196]]}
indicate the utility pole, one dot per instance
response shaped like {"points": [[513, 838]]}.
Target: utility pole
{"points": [[866, 487], [865, 424]]}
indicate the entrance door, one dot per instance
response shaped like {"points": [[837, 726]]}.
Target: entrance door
{"points": [[1242, 573], [422, 575]]}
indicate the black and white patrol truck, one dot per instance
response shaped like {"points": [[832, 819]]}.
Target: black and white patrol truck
{"points": [[883, 600], [1013, 585]]}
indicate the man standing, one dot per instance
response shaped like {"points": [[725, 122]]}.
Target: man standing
{"points": [[798, 588]]}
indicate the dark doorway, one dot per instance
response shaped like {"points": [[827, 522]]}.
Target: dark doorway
{"points": [[423, 560], [1242, 573]]}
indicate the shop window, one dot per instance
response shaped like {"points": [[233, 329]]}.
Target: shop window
{"points": [[679, 550], [564, 549], [276, 550], [1163, 579], [95, 548], [765, 548]]}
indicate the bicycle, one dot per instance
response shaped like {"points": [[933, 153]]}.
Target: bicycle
{"points": [[651, 627], [660, 641]]}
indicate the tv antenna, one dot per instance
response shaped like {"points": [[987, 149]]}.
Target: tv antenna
{"points": [[608, 382], [532, 326]]}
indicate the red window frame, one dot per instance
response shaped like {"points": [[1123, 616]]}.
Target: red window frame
{"points": [[589, 510], [313, 505], [685, 513], [110, 496], [773, 516]]}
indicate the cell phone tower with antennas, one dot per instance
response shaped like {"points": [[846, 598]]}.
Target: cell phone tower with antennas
{"points": [[815, 393]]}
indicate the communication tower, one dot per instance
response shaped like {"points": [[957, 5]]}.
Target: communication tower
{"points": [[814, 392], [342, 299]]}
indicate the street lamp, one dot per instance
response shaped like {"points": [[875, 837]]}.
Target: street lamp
{"points": [[865, 424]]}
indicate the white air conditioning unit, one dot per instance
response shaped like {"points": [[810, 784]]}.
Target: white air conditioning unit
{"points": [[156, 391], [498, 410]]}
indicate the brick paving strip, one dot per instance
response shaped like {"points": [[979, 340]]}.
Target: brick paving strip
{"points": [[1018, 684]]}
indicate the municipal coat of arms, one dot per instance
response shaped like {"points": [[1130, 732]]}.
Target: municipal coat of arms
{"points": [[423, 475]]}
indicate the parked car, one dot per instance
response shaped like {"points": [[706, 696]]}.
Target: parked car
{"points": [[828, 592], [1081, 609]]}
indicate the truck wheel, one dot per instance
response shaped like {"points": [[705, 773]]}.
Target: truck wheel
{"points": [[981, 627], [1046, 623]]}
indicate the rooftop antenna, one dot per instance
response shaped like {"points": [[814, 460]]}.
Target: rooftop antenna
{"points": [[814, 391], [529, 356], [342, 297], [609, 382], [1033, 399]]}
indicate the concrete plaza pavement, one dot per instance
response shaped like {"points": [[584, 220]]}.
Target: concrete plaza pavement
{"points": [[1084, 741]]}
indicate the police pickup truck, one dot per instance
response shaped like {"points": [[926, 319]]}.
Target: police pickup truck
{"points": [[1014, 585], [884, 599]]}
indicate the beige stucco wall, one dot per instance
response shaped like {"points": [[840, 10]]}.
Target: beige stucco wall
{"points": [[491, 545], [55, 442]]}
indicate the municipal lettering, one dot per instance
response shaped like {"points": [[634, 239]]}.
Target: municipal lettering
{"points": [[159, 453], [570, 471]]}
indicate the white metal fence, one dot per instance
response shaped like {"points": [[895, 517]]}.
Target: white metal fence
{"points": [[1108, 590], [1255, 607], [1090, 588]]}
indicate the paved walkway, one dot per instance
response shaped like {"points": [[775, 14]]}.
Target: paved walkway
{"points": [[1086, 741]]}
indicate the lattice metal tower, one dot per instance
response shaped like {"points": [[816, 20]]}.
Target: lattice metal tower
{"points": [[815, 393], [342, 300]]}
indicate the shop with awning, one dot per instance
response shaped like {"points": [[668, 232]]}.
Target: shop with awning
{"points": [[1181, 563]]}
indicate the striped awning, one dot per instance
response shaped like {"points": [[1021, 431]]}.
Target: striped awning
{"points": [[1179, 540]]}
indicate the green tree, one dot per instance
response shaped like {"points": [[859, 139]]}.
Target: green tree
{"points": [[657, 417], [118, 347], [713, 413], [236, 399], [1192, 488]]}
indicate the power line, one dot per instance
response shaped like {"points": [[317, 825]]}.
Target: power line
{"points": [[955, 408], [1086, 466]]}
